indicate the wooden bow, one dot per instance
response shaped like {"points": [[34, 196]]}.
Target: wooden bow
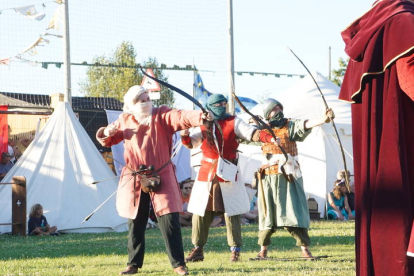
{"points": [[332, 122]]}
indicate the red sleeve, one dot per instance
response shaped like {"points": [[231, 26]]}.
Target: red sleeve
{"points": [[265, 137], [405, 73], [180, 119], [110, 141]]}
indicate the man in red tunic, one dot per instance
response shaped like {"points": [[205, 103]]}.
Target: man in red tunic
{"points": [[146, 132], [212, 195], [378, 82]]}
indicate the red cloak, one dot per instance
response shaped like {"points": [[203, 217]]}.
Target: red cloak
{"points": [[383, 136]]}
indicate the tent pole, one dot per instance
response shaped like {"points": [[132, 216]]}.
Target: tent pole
{"points": [[231, 60], [66, 53]]}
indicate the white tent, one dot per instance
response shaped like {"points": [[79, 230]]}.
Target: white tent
{"points": [[319, 155], [59, 166]]}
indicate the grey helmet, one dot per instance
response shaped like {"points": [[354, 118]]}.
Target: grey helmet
{"points": [[268, 105]]}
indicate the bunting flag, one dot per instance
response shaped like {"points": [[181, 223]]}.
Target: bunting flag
{"points": [[31, 63], [57, 19], [200, 92], [5, 61], [4, 130], [32, 48], [30, 12], [46, 34], [56, 23]]}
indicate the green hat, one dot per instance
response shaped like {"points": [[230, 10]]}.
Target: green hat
{"points": [[218, 111], [216, 98]]}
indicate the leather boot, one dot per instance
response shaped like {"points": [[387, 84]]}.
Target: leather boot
{"points": [[235, 256], [196, 255], [129, 270]]}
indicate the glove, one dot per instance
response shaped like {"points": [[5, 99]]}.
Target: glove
{"points": [[209, 116], [329, 114]]}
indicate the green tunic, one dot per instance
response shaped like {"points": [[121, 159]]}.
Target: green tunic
{"points": [[286, 203]]}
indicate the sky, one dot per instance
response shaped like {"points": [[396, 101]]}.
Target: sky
{"points": [[183, 32]]}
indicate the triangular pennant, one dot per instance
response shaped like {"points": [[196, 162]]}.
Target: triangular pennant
{"points": [[57, 19], [5, 61], [30, 12]]}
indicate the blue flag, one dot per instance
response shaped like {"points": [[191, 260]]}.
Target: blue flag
{"points": [[247, 102], [200, 92]]}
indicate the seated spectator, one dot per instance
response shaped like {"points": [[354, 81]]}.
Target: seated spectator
{"points": [[186, 187], [38, 225], [5, 164], [25, 140], [218, 221], [338, 207], [13, 149], [152, 218], [251, 216], [351, 194]]}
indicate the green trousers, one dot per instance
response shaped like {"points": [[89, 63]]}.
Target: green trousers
{"points": [[201, 226], [300, 234]]}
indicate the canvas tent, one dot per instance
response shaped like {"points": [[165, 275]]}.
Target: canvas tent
{"points": [[319, 155], [60, 165]]}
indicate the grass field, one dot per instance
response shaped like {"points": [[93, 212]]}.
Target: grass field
{"points": [[105, 254]]}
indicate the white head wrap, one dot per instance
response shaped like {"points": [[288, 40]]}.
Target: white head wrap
{"points": [[131, 97], [141, 111]]}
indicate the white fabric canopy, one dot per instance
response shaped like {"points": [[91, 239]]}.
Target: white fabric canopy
{"points": [[118, 149], [60, 165]]}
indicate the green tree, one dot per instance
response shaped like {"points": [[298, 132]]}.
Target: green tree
{"points": [[114, 81], [338, 74]]}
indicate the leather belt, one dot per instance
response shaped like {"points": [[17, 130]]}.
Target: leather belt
{"points": [[210, 160], [274, 169]]}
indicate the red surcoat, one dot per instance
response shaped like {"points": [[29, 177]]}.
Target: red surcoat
{"points": [[210, 151]]}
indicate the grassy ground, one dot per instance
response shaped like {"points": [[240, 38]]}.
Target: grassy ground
{"points": [[105, 254]]}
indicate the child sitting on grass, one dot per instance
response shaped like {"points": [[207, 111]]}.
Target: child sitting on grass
{"points": [[38, 225], [338, 207]]}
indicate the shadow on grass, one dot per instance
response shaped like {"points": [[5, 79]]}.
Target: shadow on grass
{"points": [[281, 240], [115, 243]]}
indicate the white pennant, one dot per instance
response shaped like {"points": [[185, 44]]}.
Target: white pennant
{"points": [[32, 50], [46, 34], [30, 12], [31, 63], [57, 20]]}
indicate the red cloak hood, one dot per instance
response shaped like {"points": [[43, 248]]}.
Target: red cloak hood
{"points": [[375, 41]]}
